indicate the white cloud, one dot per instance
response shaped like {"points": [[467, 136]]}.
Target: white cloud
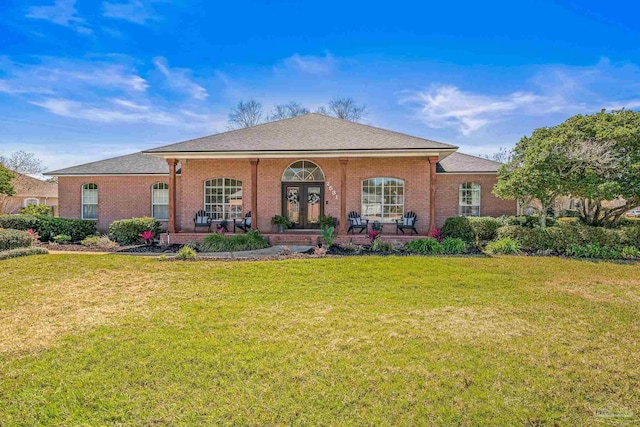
{"points": [[560, 90], [62, 12], [314, 65], [180, 80], [133, 11]]}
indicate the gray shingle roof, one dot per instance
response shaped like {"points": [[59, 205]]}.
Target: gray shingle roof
{"points": [[310, 132], [459, 162], [136, 163]]}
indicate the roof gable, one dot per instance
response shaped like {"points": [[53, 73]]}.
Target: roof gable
{"points": [[466, 163]]}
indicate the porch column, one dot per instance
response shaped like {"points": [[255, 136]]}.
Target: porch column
{"points": [[172, 195], [254, 193], [433, 161], [343, 196]]}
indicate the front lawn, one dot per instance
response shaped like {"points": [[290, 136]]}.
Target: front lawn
{"points": [[119, 340]]}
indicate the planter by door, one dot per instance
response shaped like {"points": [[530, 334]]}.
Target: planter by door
{"points": [[303, 203]]}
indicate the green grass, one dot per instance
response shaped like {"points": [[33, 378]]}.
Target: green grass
{"points": [[117, 340]]}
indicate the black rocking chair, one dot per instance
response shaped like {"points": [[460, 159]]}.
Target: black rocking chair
{"points": [[244, 224], [356, 222], [407, 222], [201, 219]]}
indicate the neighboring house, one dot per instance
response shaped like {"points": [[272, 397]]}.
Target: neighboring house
{"points": [[304, 168], [30, 191]]}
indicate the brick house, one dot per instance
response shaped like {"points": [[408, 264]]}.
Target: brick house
{"points": [[304, 168]]}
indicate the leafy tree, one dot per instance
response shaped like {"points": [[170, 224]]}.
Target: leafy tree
{"points": [[286, 111], [246, 114], [21, 164], [6, 187], [344, 108], [595, 158], [503, 155]]}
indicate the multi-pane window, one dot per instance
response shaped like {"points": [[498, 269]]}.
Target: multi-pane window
{"points": [[160, 201], [383, 199], [469, 199], [223, 198], [303, 170], [90, 201]]}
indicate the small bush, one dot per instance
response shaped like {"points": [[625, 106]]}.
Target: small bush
{"points": [[48, 227], [62, 239], [239, 242], [630, 236], [15, 253], [630, 252], [484, 227], [458, 227], [379, 246], [453, 246], [327, 236], [102, 242], [504, 246], [37, 210], [426, 246], [128, 231], [593, 250], [18, 222], [13, 239], [186, 253], [528, 221]]}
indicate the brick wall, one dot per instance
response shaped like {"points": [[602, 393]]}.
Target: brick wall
{"points": [[447, 196]]}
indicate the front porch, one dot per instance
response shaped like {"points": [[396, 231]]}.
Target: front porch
{"points": [[295, 237]]}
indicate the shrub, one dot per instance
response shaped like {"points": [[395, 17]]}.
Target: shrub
{"points": [[630, 252], [630, 236], [426, 246], [15, 253], [18, 222], [436, 233], [62, 239], [102, 242], [37, 210], [13, 239], [453, 246], [328, 236], [484, 227], [186, 253], [128, 231], [48, 227], [379, 246], [458, 227], [239, 242], [529, 221], [504, 246], [593, 250]]}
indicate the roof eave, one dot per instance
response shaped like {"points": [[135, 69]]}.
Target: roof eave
{"points": [[404, 152]]}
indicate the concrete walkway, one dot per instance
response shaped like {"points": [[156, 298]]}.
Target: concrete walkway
{"points": [[256, 254]]}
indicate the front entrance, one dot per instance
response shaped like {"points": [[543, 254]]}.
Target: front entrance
{"points": [[303, 203]]}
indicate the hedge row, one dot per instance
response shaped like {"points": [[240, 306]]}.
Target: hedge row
{"points": [[13, 239], [48, 227], [15, 253], [127, 231]]}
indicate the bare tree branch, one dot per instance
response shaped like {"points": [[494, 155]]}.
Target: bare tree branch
{"points": [[344, 108], [286, 111], [246, 114]]}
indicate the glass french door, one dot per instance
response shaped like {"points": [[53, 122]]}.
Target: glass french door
{"points": [[303, 204]]}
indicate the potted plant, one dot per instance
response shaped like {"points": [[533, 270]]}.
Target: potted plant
{"points": [[282, 222], [326, 222]]}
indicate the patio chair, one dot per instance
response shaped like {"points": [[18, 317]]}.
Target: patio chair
{"points": [[244, 224], [407, 222], [201, 219], [356, 222]]}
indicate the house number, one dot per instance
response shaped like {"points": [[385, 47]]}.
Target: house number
{"points": [[333, 192]]}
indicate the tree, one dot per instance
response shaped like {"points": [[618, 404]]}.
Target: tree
{"points": [[595, 158], [344, 108], [286, 111], [246, 114], [503, 155], [6, 187], [21, 164]]}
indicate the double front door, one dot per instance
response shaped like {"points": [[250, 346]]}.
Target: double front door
{"points": [[303, 203]]}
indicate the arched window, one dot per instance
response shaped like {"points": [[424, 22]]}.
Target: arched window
{"points": [[160, 201], [383, 199], [90, 201], [469, 199], [223, 198], [303, 170]]}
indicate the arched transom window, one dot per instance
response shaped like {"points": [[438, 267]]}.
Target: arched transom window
{"points": [[383, 199], [160, 201], [223, 198], [303, 170], [469, 199], [90, 201]]}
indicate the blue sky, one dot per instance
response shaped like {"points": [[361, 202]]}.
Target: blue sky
{"points": [[84, 80]]}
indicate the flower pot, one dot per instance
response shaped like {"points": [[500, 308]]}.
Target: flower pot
{"points": [[280, 228]]}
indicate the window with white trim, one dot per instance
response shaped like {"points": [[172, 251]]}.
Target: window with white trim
{"points": [[469, 204], [160, 201], [382, 199], [223, 198], [90, 201], [31, 201]]}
